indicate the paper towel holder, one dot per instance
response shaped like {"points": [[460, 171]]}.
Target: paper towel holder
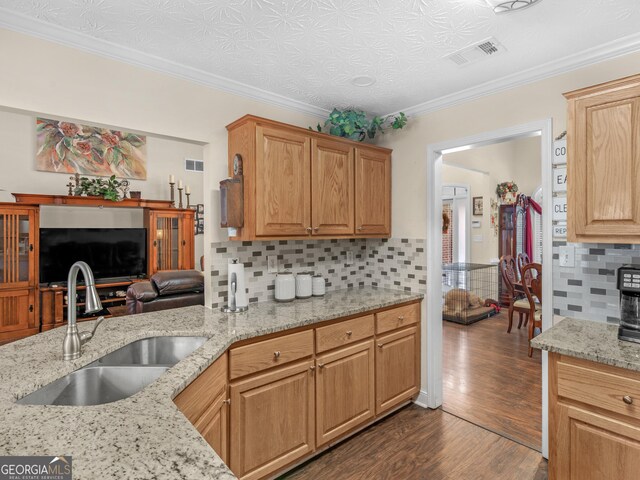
{"points": [[232, 307]]}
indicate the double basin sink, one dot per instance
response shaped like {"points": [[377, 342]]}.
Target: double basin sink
{"points": [[118, 374]]}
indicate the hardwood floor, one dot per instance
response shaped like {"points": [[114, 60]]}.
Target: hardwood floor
{"points": [[417, 443], [489, 380]]}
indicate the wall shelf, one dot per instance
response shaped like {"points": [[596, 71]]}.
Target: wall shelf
{"points": [[71, 200]]}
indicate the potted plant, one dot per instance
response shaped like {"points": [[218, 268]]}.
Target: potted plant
{"points": [[354, 124], [108, 188], [507, 192]]}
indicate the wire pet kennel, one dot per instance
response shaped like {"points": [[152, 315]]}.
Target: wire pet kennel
{"points": [[469, 291]]}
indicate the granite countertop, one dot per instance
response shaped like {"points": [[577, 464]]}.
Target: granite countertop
{"points": [[145, 435], [593, 341]]}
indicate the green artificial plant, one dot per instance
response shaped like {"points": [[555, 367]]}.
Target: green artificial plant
{"points": [[107, 188], [354, 124]]}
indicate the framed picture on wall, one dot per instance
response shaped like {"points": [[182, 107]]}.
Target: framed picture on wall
{"points": [[477, 205]]}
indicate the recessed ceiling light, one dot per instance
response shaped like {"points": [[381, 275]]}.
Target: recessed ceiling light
{"points": [[503, 6], [363, 81]]}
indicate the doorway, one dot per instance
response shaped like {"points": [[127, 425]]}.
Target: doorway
{"points": [[432, 357]]}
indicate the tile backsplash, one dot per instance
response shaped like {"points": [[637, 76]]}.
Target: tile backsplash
{"points": [[588, 290], [403, 261]]}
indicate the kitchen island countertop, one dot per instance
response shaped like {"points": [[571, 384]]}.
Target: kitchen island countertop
{"points": [[145, 436]]}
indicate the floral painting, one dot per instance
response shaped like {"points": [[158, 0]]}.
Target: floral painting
{"points": [[67, 147]]}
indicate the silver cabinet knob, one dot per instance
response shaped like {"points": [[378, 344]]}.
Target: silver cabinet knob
{"points": [[308, 229], [360, 228], [227, 401], [627, 399], [380, 345], [321, 365], [315, 229], [349, 333], [312, 368], [401, 317], [276, 354]]}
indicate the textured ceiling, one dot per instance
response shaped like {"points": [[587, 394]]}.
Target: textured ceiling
{"points": [[310, 50]]}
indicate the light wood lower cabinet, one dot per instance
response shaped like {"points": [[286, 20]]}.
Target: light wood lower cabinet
{"points": [[345, 395], [593, 421], [397, 368], [272, 420]]}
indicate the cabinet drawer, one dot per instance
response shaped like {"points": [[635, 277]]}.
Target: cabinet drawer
{"points": [[194, 400], [269, 353], [343, 333], [600, 386], [397, 318]]}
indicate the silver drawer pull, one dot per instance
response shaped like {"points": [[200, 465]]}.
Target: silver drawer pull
{"points": [[627, 399], [380, 345], [321, 365], [349, 333], [276, 354], [401, 317], [312, 368]]}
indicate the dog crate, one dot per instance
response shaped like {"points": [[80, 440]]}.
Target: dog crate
{"points": [[470, 292]]}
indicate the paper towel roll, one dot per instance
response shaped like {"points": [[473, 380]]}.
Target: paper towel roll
{"points": [[241, 292]]}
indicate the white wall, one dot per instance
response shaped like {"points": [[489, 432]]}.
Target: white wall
{"points": [[517, 106], [517, 160]]}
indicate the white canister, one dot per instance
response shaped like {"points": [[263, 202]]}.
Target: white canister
{"points": [[285, 287], [318, 286], [304, 284]]}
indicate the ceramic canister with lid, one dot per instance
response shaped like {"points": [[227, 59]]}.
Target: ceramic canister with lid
{"points": [[285, 287], [318, 286], [304, 284]]}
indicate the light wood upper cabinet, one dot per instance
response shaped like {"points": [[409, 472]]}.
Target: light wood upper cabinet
{"points": [[332, 187], [299, 183], [603, 145], [373, 192], [283, 185]]}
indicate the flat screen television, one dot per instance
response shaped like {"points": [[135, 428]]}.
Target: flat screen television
{"points": [[110, 252]]}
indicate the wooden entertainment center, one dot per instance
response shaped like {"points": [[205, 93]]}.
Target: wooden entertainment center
{"points": [[28, 307]]}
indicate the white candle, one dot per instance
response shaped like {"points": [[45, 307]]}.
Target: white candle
{"points": [[179, 183], [187, 190], [172, 179]]}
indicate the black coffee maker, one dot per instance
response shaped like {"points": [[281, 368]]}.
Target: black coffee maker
{"points": [[629, 286]]}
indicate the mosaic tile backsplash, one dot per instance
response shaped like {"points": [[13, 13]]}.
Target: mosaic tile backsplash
{"points": [[402, 263], [588, 290]]}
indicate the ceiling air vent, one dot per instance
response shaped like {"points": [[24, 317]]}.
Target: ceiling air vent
{"points": [[473, 53], [192, 165]]}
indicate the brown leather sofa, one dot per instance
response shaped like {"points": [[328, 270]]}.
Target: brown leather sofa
{"points": [[166, 289]]}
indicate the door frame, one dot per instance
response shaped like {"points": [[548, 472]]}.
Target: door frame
{"points": [[431, 391]]}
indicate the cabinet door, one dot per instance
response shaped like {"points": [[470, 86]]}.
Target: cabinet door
{"points": [[187, 242], [397, 368], [345, 394], [604, 167], [18, 250], [272, 420], [213, 426], [283, 182], [332, 188], [17, 313], [591, 446], [166, 238], [373, 193]]}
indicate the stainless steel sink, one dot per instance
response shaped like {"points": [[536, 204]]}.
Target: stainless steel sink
{"points": [[94, 386], [153, 351], [118, 374]]}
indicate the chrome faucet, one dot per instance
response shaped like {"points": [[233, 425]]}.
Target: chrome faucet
{"points": [[73, 341]]}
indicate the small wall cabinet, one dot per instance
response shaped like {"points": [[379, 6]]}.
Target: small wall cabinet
{"points": [[299, 183], [603, 147], [170, 239], [18, 271]]}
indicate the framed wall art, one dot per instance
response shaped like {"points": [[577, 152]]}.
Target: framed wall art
{"points": [[477, 205]]}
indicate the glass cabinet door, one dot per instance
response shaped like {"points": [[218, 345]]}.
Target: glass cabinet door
{"points": [[16, 248], [167, 243]]}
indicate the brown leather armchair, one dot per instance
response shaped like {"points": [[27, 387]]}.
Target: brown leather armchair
{"points": [[165, 290]]}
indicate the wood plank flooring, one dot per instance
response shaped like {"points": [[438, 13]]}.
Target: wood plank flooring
{"points": [[417, 443], [489, 380]]}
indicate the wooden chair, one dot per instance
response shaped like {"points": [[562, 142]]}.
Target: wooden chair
{"points": [[508, 272], [522, 259], [533, 291]]}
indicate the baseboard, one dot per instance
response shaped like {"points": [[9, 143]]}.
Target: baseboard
{"points": [[422, 400]]}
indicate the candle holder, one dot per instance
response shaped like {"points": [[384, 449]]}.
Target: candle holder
{"points": [[173, 200], [180, 196], [188, 195]]}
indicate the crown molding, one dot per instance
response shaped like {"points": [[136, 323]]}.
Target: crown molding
{"points": [[63, 36], [566, 64]]}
